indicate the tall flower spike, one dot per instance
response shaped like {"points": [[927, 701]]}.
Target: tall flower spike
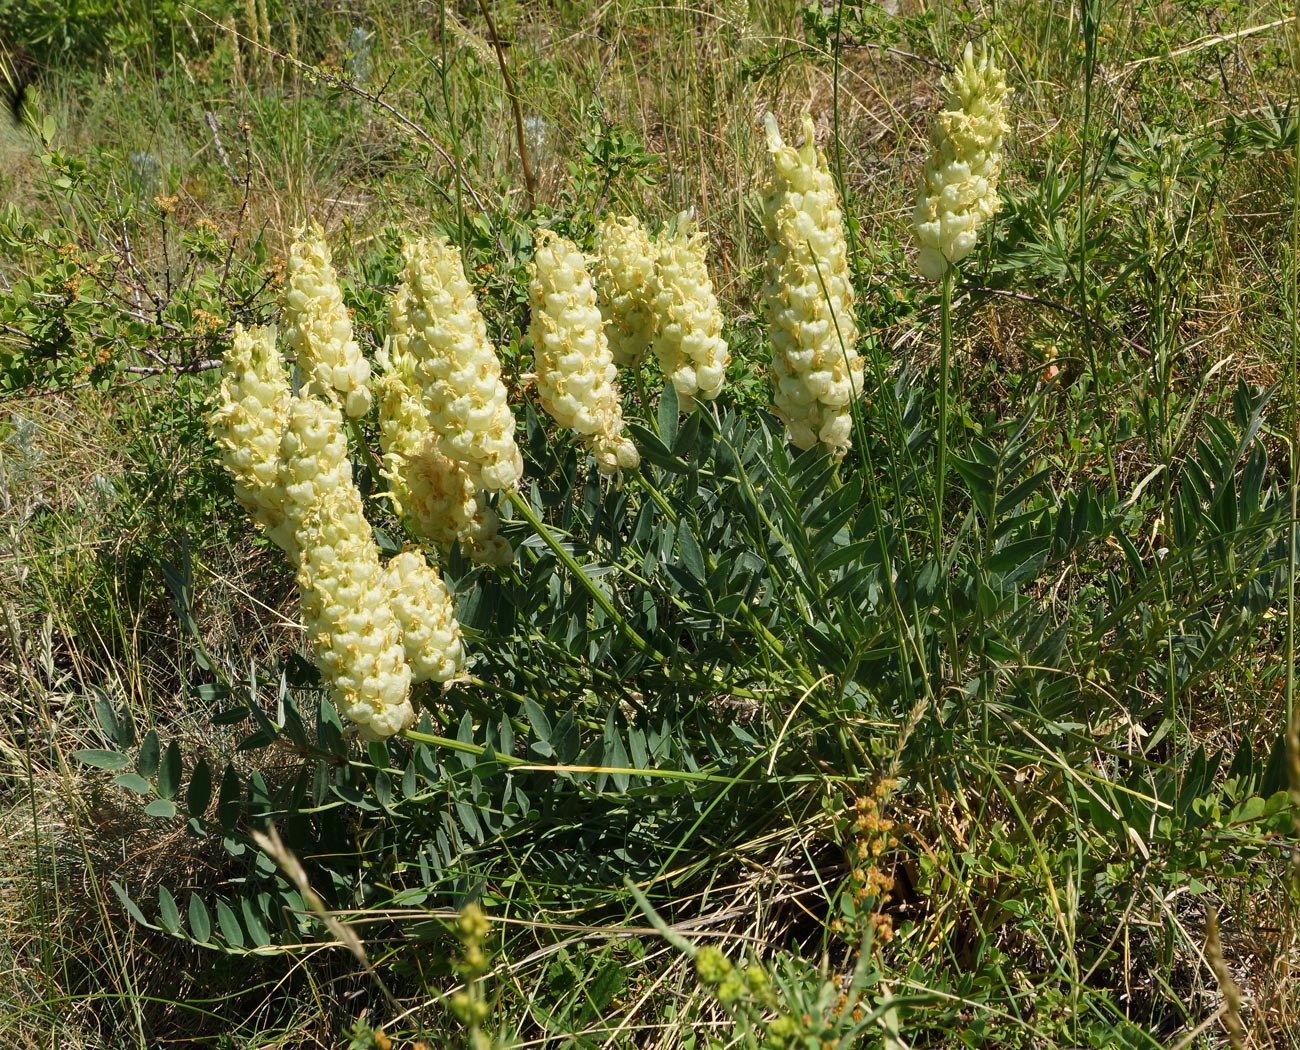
{"points": [[317, 327], [424, 608], [435, 493], [346, 603], [808, 297], [436, 320], [689, 343], [249, 415], [625, 268], [959, 187], [576, 377]]}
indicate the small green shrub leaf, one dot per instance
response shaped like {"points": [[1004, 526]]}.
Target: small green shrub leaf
{"points": [[146, 762], [133, 782], [200, 920], [169, 771], [199, 793], [100, 759], [168, 914], [229, 923]]}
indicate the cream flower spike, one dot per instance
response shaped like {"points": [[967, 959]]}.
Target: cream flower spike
{"points": [[576, 378], [959, 186], [436, 320], [808, 297], [313, 459], [317, 327], [433, 492], [250, 411], [346, 602], [424, 608], [689, 343], [625, 270]]}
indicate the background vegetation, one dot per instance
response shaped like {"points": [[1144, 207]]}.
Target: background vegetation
{"points": [[1005, 772]]}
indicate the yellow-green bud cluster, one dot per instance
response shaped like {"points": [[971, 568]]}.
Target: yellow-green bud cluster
{"points": [[435, 493], [576, 378], [251, 409], [959, 187], [436, 320], [625, 270], [318, 330], [808, 297], [688, 343], [427, 616]]}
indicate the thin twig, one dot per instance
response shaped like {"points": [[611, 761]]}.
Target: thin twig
{"points": [[530, 182], [222, 156]]}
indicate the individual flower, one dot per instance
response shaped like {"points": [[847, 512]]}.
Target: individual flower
{"points": [[689, 343], [346, 603], [436, 321], [434, 493], [576, 378], [424, 608], [808, 297], [959, 186], [249, 415], [625, 269], [317, 327]]}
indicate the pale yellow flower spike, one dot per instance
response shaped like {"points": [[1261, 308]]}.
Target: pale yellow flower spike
{"points": [[625, 270], [318, 330], [341, 585], [959, 186], [250, 411], [689, 343], [576, 378], [436, 494], [436, 321], [808, 297], [424, 607], [346, 603]]}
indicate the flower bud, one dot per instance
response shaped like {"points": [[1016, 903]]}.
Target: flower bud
{"points": [[350, 621], [433, 492], [427, 615], [250, 411]]}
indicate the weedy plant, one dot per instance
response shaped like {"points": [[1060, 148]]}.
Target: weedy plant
{"points": [[873, 717]]}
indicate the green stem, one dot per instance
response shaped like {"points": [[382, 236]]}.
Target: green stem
{"points": [[1292, 712], [520, 504], [945, 359]]}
